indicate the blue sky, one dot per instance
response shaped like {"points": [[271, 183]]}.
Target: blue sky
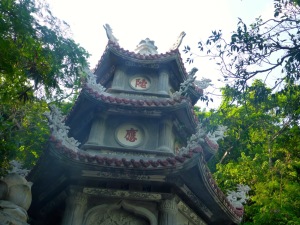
{"points": [[159, 20]]}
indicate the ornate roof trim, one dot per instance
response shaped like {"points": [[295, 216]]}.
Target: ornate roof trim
{"points": [[140, 103], [149, 164], [217, 193], [170, 55]]}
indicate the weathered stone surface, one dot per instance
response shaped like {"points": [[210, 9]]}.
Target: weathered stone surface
{"points": [[6, 219], [15, 199], [3, 189], [168, 212], [11, 211]]}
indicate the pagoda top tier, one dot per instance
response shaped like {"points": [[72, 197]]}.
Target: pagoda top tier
{"points": [[143, 64], [146, 46]]}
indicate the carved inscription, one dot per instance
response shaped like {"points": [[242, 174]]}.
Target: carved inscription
{"points": [[152, 66], [123, 194], [129, 135], [140, 83], [87, 173]]}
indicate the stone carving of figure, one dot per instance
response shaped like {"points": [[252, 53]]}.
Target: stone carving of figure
{"points": [[192, 73], [15, 199], [203, 83], [199, 137], [239, 197], [189, 82], [109, 33], [195, 139], [178, 42], [217, 134]]}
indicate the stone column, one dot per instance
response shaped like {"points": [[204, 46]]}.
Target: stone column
{"points": [[97, 131], [119, 79], [168, 212], [75, 208], [163, 82], [166, 138]]}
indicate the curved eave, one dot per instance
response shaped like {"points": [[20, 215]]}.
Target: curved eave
{"points": [[90, 100], [114, 54], [214, 193], [187, 173]]}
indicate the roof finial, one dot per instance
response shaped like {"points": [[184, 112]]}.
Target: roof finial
{"points": [[178, 42], [109, 33], [146, 47]]}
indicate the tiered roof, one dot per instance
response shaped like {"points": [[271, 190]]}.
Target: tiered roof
{"points": [[186, 170]]}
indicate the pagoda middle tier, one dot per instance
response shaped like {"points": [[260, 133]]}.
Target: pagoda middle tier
{"points": [[137, 103]]}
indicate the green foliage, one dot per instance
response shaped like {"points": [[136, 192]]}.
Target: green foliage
{"points": [[262, 147], [36, 53], [262, 150], [39, 63], [23, 132], [266, 49]]}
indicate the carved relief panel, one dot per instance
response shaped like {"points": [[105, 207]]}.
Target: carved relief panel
{"points": [[119, 214], [115, 217]]}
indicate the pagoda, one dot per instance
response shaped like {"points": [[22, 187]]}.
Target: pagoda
{"points": [[131, 150]]}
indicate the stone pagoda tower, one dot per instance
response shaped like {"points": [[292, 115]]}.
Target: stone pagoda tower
{"points": [[131, 151]]}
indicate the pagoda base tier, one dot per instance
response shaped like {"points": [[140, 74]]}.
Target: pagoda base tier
{"points": [[67, 191]]}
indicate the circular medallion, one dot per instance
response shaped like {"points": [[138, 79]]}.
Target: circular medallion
{"points": [[140, 83], [129, 135]]}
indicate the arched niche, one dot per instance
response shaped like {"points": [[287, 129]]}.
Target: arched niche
{"points": [[122, 213]]}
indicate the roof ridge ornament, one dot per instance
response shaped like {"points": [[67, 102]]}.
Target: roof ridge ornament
{"points": [[239, 197], [184, 86], [178, 42], [58, 128], [203, 83], [146, 47], [109, 33]]}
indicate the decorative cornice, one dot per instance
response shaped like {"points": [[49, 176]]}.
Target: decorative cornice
{"points": [[144, 164], [103, 192], [169, 162], [84, 157], [120, 176]]}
